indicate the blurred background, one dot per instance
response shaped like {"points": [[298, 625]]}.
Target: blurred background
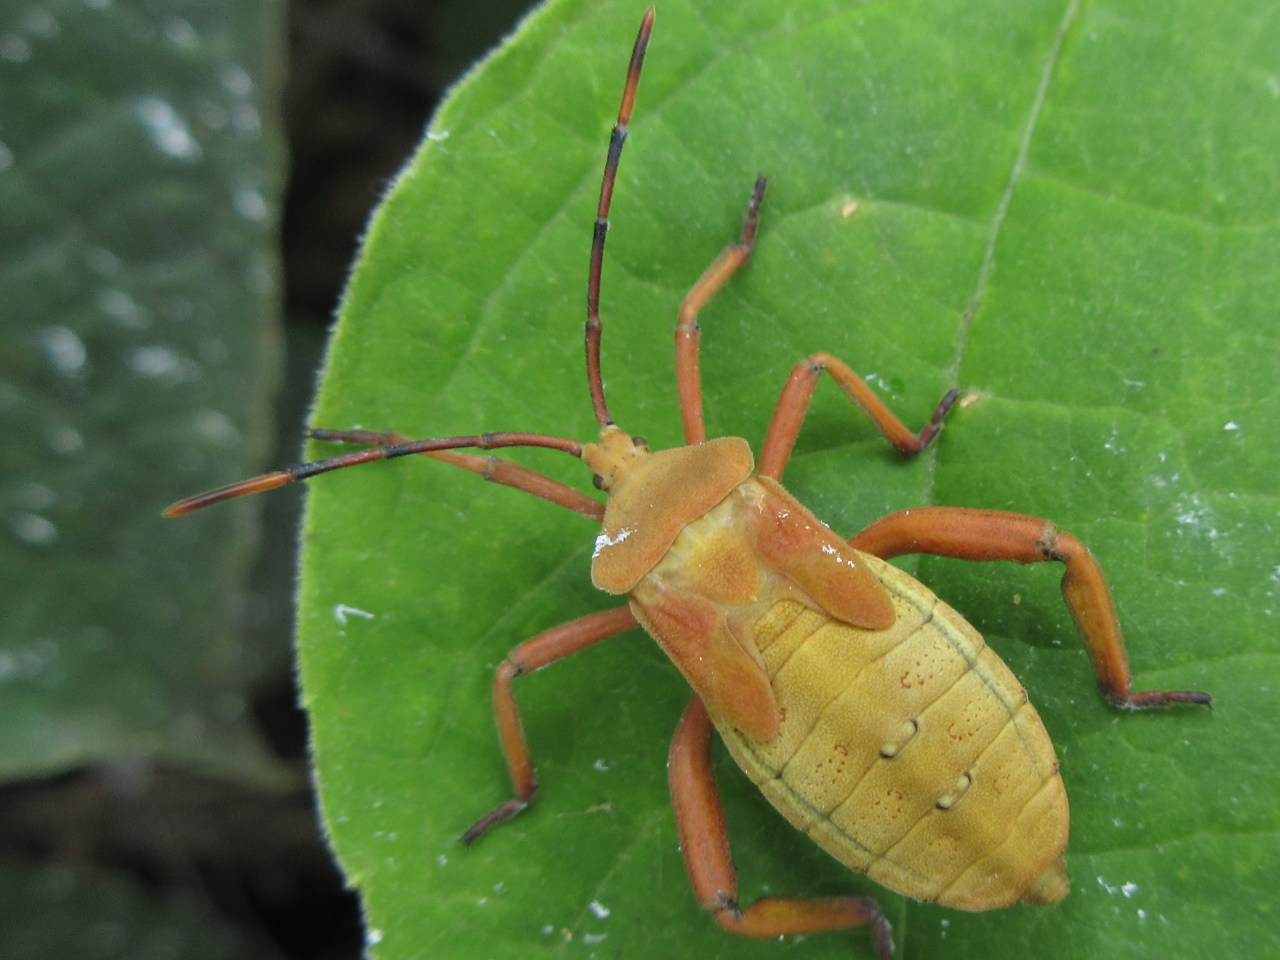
{"points": [[182, 190]]}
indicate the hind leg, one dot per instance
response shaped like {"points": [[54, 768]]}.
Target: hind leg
{"points": [[704, 842], [996, 535]]}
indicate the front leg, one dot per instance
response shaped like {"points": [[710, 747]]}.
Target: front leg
{"points": [[689, 335], [995, 535], [548, 647], [793, 404]]}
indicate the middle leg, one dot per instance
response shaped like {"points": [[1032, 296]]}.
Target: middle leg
{"points": [[546, 648]]}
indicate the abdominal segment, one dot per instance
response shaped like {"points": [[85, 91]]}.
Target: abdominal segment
{"points": [[908, 752]]}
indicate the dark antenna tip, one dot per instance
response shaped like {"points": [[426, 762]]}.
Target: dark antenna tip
{"points": [[245, 487]]}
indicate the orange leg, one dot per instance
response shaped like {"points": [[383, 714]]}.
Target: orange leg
{"points": [[705, 844], [534, 654], [794, 403], [490, 468], [688, 335], [996, 535]]}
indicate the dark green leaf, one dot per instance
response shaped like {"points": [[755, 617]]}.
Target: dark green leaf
{"points": [[137, 274]]}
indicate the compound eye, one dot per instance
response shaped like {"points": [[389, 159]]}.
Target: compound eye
{"points": [[640, 442], [597, 481]]}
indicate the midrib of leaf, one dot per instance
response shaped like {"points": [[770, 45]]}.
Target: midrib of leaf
{"points": [[993, 233], [1019, 164]]}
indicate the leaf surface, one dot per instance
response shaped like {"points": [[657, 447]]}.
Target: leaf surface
{"points": [[1065, 208]]}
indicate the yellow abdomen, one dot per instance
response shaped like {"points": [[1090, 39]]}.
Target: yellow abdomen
{"points": [[910, 754]]}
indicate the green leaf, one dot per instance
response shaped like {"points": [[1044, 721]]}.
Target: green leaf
{"points": [[1066, 208], [138, 175]]}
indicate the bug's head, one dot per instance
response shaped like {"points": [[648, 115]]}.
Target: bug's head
{"points": [[615, 454]]}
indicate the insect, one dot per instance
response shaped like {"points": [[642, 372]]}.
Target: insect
{"points": [[867, 711]]}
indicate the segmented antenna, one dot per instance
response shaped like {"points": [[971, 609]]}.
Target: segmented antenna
{"points": [[269, 481], [616, 142]]}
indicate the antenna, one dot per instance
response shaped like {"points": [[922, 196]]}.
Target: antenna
{"points": [[269, 481], [616, 141]]}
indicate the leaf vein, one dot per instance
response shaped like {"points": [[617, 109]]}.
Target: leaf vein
{"points": [[1019, 165]]}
